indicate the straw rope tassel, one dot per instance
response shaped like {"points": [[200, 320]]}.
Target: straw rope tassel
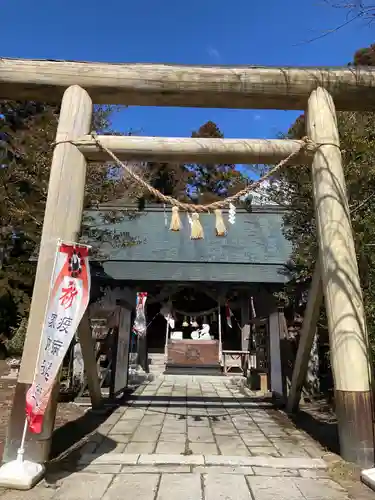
{"points": [[175, 220], [221, 230], [196, 228]]}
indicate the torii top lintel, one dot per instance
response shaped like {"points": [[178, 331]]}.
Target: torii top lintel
{"points": [[245, 87]]}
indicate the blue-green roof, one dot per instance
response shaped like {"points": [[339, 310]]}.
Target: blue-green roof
{"points": [[254, 249]]}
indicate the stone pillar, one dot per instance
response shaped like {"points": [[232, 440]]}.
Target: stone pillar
{"points": [[78, 366], [312, 376]]}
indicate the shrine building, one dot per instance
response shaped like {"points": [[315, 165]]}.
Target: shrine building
{"points": [[217, 291]]}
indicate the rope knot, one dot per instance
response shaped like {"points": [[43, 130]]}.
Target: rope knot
{"points": [[309, 145]]}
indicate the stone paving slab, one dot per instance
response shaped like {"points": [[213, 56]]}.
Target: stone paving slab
{"points": [[210, 410], [132, 486], [222, 487], [180, 459], [192, 438], [201, 484], [180, 487]]}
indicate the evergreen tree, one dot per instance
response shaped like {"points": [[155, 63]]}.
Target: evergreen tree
{"points": [[197, 183], [211, 182], [294, 189], [27, 131]]}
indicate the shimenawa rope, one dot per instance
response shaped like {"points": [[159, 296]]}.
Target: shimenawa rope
{"points": [[196, 227]]}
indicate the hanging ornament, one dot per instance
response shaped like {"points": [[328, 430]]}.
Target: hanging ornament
{"points": [[194, 323], [175, 220], [219, 225], [232, 214], [190, 220], [185, 323], [140, 326], [166, 311], [196, 228]]}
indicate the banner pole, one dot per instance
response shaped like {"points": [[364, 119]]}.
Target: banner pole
{"points": [[21, 449], [219, 328], [20, 473]]}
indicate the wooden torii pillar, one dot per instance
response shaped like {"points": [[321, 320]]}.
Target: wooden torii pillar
{"points": [[62, 220], [341, 286], [308, 331]]}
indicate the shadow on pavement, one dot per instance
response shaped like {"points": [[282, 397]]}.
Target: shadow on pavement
{"points": [[323, 430]]}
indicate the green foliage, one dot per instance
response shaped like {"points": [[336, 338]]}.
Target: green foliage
{"points": [[15, 344], [365, 57], [293, 188], [27, 131], [209, 182], [197, 183]]}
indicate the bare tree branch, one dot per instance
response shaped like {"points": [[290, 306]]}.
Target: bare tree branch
{"points": [[331, 31], [365, 8], [356, 9]]}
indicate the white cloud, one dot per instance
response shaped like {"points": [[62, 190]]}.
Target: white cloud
{"points": [[213, 53], [257, 117]]}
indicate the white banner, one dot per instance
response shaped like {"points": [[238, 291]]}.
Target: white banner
{"points": [[68, 300], [140, 326]]}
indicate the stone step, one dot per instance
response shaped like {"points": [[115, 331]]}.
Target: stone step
{"points": [[160, 459], [157, 357]]}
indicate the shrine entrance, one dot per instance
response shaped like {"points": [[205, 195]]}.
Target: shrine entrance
{"points": [[241, 259], [192, 327], [205, 333]]}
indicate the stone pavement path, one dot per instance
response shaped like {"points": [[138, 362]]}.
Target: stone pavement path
{"points": [[192, 438]]}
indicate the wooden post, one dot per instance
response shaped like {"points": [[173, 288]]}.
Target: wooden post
{"points": [[341, 286], [166, 342], [245, 323], [62, 219], [239, 87], [89, 361], [193, 150], [219, 326], [310, 319], [121, 361], [276, 373]]}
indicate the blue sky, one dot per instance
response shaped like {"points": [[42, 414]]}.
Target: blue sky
{"points": [[266, 32]]}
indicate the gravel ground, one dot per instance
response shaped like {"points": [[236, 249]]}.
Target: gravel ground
{"points": [[66, 412]]}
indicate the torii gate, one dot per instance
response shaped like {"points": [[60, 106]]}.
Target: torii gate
{"points": [[315, 90]]}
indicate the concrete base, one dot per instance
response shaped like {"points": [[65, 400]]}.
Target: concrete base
{"points": [[20, 474], [368, 477], [37, 445]]}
